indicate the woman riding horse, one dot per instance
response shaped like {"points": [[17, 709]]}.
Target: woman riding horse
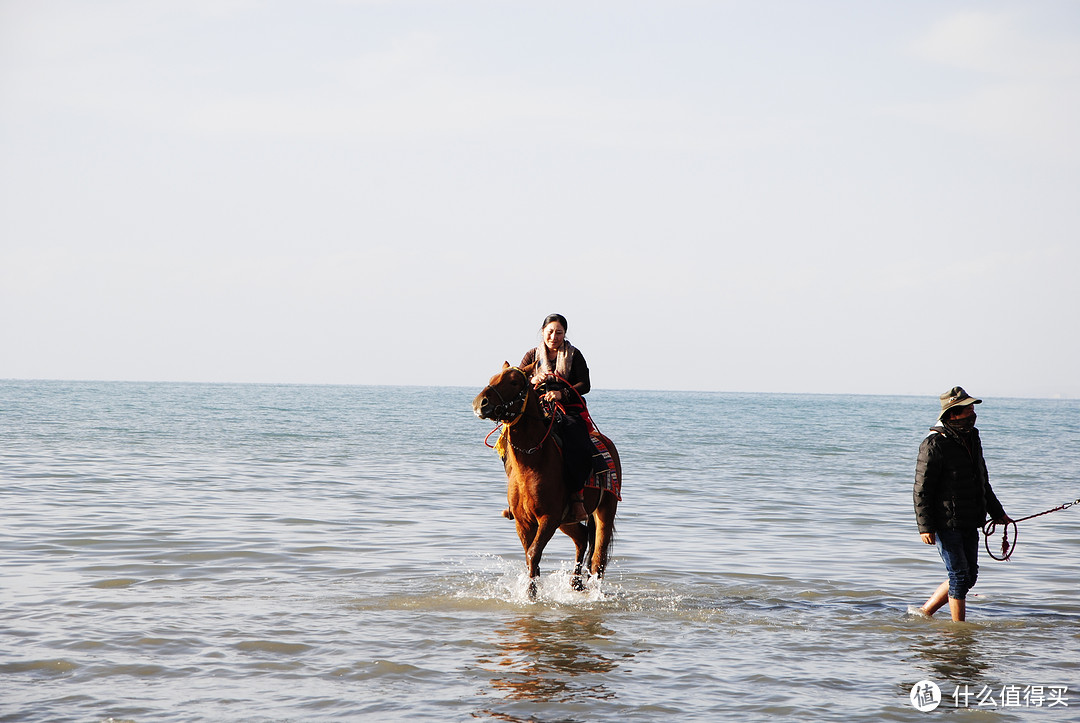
{"points": [[536, 491], [562, 373]]}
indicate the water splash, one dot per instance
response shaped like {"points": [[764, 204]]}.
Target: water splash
{"points": [[493, 578]]}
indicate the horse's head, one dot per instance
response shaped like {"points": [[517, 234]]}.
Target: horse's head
{"points": [[504, 397]]}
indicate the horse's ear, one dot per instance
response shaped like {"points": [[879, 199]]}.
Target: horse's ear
{"points": [[529, 370], [506, 365]]}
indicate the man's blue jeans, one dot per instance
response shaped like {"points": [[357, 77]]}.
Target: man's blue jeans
{"points": [[959, 550]]}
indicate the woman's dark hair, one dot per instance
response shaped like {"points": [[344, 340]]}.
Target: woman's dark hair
{"points": [[554, 317]]}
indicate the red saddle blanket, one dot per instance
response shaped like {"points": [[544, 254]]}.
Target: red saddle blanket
{"points": [[605, 476]]}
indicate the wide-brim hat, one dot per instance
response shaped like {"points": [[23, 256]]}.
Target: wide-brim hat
{"points": [[956, 397]]}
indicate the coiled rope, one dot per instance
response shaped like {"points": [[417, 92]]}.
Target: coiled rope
{"points": [[1007, 547]]}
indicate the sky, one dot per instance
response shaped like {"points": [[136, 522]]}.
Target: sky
{"points": [[772, 196]]}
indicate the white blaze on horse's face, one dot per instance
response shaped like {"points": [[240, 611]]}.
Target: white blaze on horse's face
{"points": [[554, 333]]}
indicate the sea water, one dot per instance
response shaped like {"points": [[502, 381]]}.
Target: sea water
{"points": [[181, 552]]}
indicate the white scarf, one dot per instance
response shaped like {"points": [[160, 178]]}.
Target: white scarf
{"points": [[564, 360]]}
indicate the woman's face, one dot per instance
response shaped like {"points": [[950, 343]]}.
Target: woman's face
{"points": [[554, 333]]}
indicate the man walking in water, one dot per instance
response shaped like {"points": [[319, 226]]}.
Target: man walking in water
{"points": [[953, 497]]}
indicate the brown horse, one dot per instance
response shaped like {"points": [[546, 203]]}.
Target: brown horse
{"points": [[535, 489]]}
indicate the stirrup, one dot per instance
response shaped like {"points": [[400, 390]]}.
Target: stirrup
{"points": [[571, 512]]}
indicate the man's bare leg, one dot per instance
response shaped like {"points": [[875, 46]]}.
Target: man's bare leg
{"points": [[937, 600]]}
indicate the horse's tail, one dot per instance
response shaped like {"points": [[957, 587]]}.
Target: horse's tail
{"points": [[591, 527]]}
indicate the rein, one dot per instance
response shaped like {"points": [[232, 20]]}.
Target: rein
{"points": [[1008, 548]]}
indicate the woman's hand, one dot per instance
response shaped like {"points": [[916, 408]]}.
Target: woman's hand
{"points": [[554, 396], [928, 538]]}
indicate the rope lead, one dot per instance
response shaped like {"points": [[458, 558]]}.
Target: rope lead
{"points": [[1007, 548]]}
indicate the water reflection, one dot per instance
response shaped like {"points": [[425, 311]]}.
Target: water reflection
{"points": [[551, 659], [957, 654]]}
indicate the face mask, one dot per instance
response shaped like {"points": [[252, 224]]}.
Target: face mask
{"points": [[964, 424]]}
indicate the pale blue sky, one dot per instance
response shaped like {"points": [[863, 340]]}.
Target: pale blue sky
{"points": [[852, 197]]}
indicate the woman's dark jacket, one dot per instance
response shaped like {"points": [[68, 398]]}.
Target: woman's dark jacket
{"points": [[952, 487], [577, 444], [578, 379]]}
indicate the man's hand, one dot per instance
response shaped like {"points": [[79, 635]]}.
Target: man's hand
{"points": [[928, 538]]}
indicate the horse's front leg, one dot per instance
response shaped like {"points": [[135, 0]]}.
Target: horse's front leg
{"points": [[535, 550], [580, 535]]}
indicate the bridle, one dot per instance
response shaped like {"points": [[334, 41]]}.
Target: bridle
{"points": [[504, 411]]}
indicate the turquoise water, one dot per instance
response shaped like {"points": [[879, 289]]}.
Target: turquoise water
{"points": [[177, 552]]}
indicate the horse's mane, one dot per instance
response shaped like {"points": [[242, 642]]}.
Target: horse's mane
{"points": [[529, 370]]}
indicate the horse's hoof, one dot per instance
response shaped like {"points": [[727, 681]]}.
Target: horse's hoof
{"points": [[577, 583], [508, 514]]}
